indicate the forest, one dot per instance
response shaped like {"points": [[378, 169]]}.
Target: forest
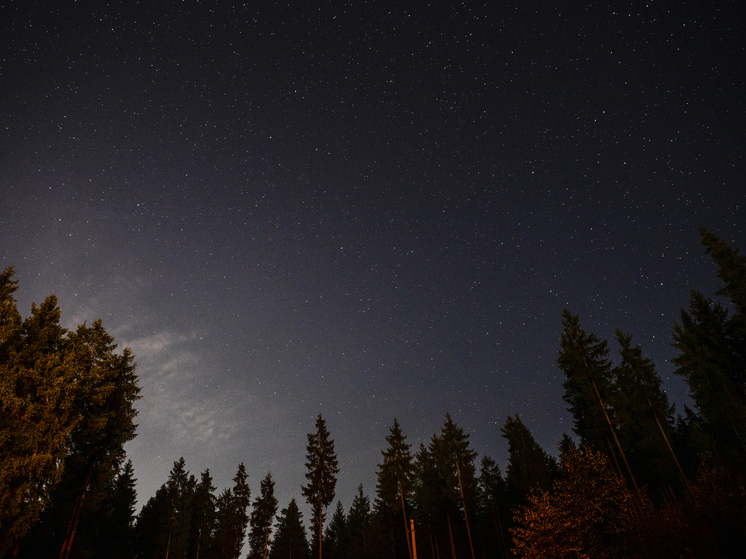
{"points": [[635, 479]]}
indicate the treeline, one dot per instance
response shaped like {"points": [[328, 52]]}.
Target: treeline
{"points": [[636, 481]]}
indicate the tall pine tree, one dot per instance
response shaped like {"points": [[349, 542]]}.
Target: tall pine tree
{"points": [[66, 411], [394, 485], [585, 361], [290, 541], [322, 473], [262, 517], [710, 342]]}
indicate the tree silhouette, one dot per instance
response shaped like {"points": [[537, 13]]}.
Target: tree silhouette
{"points": [[322, 473]]}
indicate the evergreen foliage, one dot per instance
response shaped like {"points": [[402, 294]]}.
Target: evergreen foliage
{"points": [[262, 517], [358, 525], [336, 539], [322, 469], [644, 417], [529, 466], [290, 541], [394, 487], [586, 514], [585, 361], [66, 411], [66, 489], [712, 358]]}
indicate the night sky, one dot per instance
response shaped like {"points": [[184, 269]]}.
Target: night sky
{"points": [[367, 210]]}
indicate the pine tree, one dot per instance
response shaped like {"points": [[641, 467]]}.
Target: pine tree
{"points": [[711, 358], [322, 473], [262, 516], [492, 508], [643, 417], [394, 485], [66, 411], [585, 361], [239, 517], [203, 517], [116, 529], [358, 524], [455, 462], [290, 541], [336, 540], [529, 466], [586, 514]]}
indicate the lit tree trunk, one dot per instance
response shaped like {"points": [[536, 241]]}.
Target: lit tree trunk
{"points": [[466, 517], [73, 526], [414, 541], [404, 514], [616, 439], [450, 533]]}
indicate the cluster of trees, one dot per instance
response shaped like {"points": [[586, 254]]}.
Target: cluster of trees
{"points": [[636, 481], [66, 411]]}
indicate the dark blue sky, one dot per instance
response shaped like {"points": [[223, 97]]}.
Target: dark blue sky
{"points": [[367, 210]]}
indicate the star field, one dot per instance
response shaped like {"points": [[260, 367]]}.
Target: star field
{"points": [[365, 209]]}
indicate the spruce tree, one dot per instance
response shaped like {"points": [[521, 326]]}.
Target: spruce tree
{"points": [[262, 517], [643, 417], [116, 527], [336, 540], [529, 466], [455, 463], [394, 486], [290, 541], [492, 509], [203, 517], [358, 524], [710, 342], [322, 473], [66, 411], [585, 361]]}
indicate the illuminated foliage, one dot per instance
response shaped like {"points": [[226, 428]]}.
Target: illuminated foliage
{"points": [[585, 515], [66, 411]]}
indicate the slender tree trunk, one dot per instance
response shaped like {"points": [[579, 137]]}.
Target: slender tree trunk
{"points": [[414, 541], [668, 444], [450, 533], [68, 543], [616, 439], [266, 541], [466, 517], [500, 534], [320, 528], [404, 514]]}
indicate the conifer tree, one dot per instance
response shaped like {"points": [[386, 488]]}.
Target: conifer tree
{"points": [[66, 411], [322, 473], [394, 485], [336, 540], [290, 541], [239, 516], [262, 517], [492, 508], [116, 537], [203, 517], [585, 361], [455, 462], [587, 513], [529, 466], [643, 416], [358, 524], [222, 543], [711, 358]]}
